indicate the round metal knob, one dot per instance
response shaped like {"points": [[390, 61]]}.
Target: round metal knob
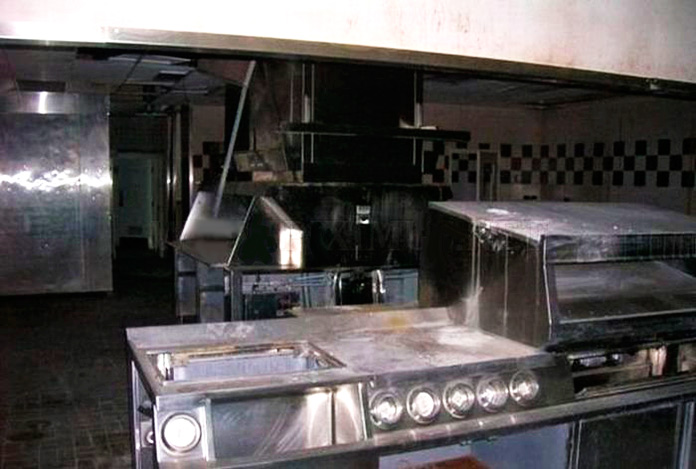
{"points": [[181, 433], [524, 387], [458, 399], [423, 405], [492, 393], [386, 410]]}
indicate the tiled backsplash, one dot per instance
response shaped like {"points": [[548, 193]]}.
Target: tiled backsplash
{"points": [[639, 163]]}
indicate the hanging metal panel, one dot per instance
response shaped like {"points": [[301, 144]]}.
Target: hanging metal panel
{"points": [[55, 194]]}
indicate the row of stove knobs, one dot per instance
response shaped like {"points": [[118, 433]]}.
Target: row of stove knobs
{"points": [[423, 404]]}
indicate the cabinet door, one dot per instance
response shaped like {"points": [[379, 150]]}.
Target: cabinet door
{"points": [[647, 438], [542, 448]]}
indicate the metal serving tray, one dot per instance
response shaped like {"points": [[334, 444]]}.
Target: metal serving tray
{"points": [[210, 363]]}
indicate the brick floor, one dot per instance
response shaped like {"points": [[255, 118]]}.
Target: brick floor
{"points": [[63, 380]]}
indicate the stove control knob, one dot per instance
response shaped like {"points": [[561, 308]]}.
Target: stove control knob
{"points": [[181, 433], [524, 387], [423, 405], [492, 393], [458, 399], [386, 409]]}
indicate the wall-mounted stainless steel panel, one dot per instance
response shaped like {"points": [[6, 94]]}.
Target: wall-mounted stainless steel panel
{"points": [[185, 286], [55, 194]]}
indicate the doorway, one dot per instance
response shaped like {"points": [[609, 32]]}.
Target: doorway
{"points": [[138, 201]]}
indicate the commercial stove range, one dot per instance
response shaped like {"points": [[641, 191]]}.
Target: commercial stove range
{"points": [[548, 335]]}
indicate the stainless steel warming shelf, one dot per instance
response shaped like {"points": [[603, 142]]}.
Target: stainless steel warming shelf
{"points": [[226, 362]]}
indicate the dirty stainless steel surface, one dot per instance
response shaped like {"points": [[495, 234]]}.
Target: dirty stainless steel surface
{"points": [[201, 223], [316, 415], [532, 220], [327, 216], [270, 239], [275, 425], [228, 362], [202, 252], [563, 275], [417, 379], [211, 252], [360, 309], [610, 286], [296, 388], [396, 341], [55, 193], [317, 237]]}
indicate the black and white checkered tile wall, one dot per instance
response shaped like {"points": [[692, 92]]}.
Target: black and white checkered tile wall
{"points": [[639, 163]]}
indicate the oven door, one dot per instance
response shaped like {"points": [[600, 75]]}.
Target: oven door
{"points": [[543, 448], [644, 438], [659, 436]]}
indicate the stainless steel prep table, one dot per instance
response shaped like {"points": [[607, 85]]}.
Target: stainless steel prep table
{"points": [[602, 367], [367, 353]]}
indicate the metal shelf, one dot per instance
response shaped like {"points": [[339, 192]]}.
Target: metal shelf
{"points": [[391, 132]]}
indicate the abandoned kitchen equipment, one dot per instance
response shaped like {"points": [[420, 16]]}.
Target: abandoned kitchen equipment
{"points": [[342, 389], [609, 286], [276, 247], [441, 381]]}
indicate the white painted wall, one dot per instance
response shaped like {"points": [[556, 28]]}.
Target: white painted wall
{"points": [[625, 119], [628, 118], [487, 125], [207, 125], [493, 125], [647, 38]]}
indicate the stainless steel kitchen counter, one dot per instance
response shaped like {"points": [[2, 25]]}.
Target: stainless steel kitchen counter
{"points": [[366, 344], [532, 220], [320, 416]]}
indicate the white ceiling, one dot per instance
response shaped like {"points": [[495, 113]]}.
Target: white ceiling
{"points": [[139, 82], [134, 81]]}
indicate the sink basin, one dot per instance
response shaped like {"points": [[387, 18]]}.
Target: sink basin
{"points": [[228, 362]]}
